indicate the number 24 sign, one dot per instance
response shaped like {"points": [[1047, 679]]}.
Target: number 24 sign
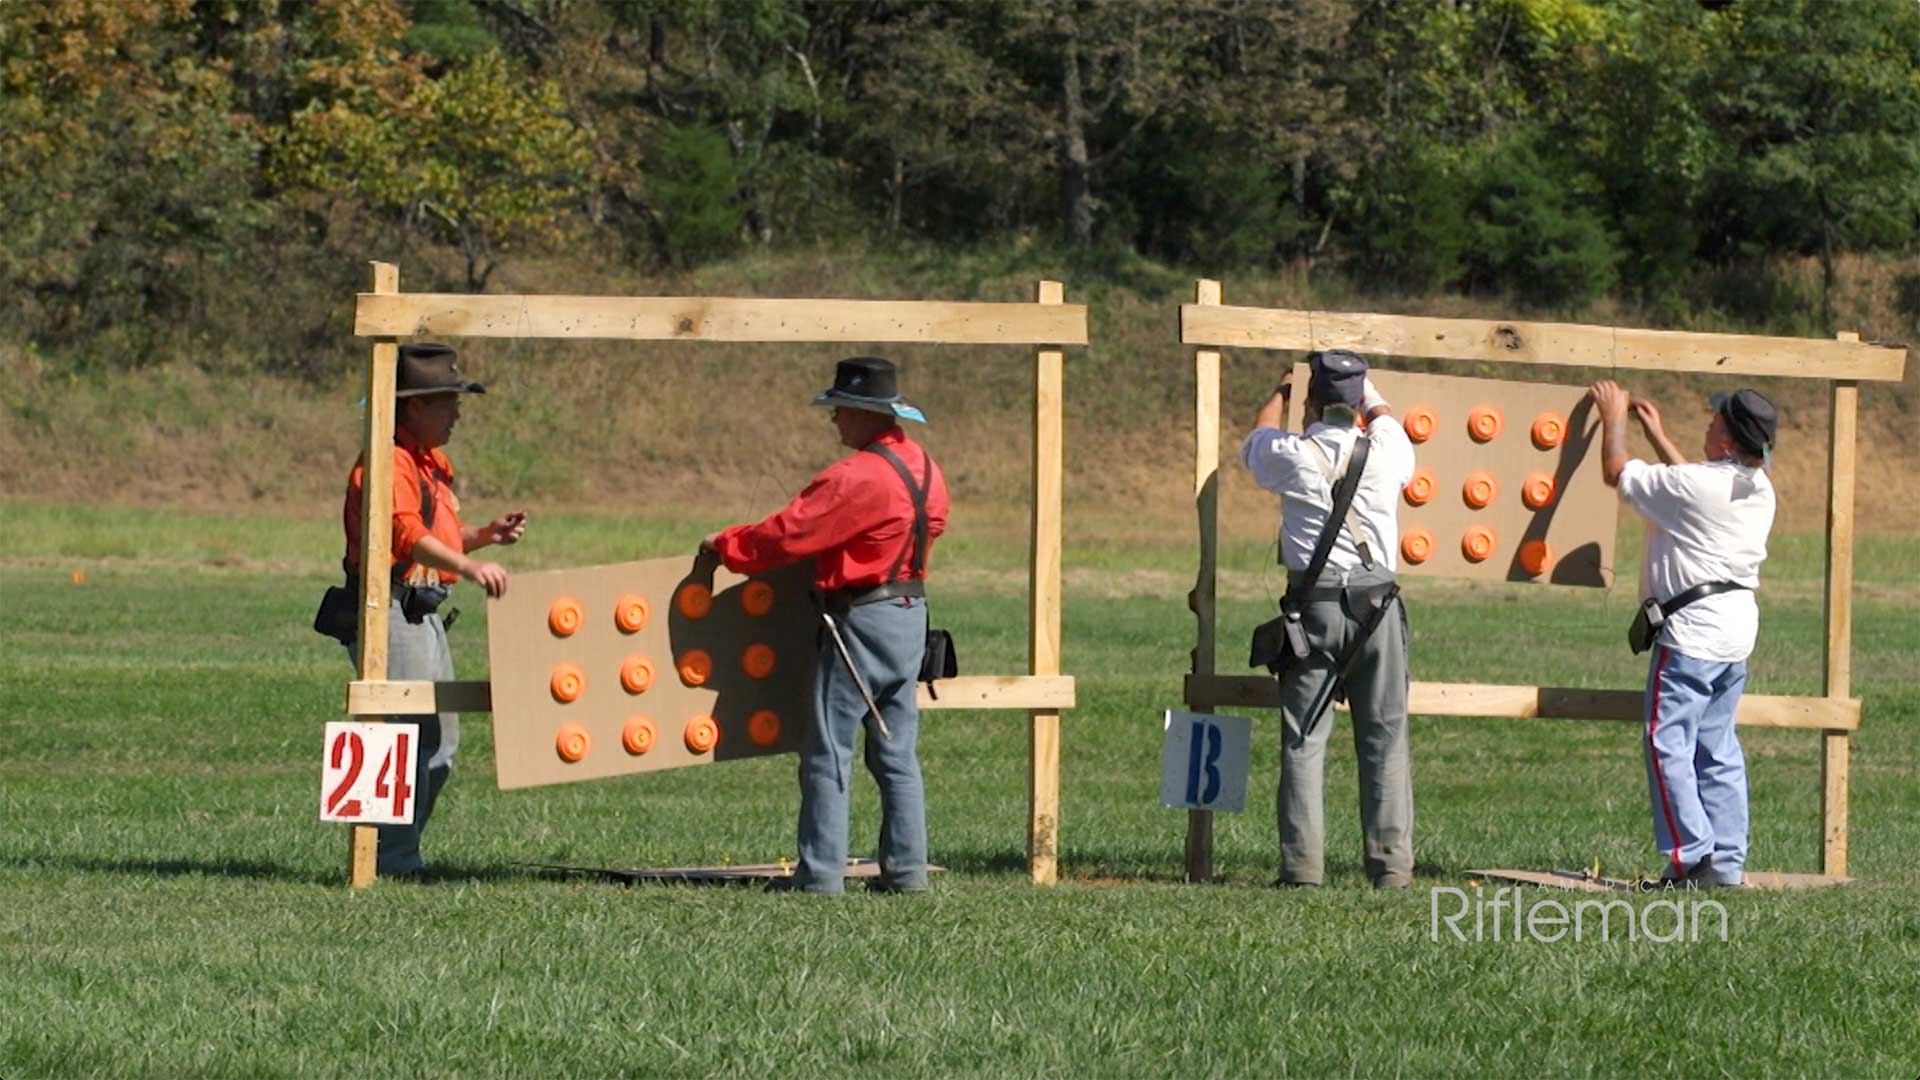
{"points": [[366, 772]]}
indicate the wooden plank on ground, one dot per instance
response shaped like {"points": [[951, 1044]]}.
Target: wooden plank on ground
{"points": [[1558, 702], [702, 318], [1561, 344]]}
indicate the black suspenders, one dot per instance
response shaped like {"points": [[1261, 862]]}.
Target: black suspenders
{"points": [[919, 493]]}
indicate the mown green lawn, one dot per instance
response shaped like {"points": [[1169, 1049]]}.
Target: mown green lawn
{"points": [[169, 904]]}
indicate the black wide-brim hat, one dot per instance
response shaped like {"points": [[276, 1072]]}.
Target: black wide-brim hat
{"points": [[431, 368], [870, 383]]}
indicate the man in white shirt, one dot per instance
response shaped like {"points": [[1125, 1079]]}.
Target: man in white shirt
{"points": [[1335, 609], [1707, 522]]}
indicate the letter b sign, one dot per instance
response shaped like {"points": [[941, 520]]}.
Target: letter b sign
{"points": [[1203, 761]]}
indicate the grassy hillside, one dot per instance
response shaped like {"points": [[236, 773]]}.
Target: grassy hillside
{"points": [[634, 427]]}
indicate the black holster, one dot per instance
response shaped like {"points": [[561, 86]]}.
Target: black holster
{"points": [[1281, 642]]}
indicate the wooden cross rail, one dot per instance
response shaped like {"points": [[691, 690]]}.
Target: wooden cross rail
{"points": [[374, 698], [1843, 363], [386, 314]]}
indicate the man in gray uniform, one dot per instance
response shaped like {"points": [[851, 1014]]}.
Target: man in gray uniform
{"points": [[1335, 611]]}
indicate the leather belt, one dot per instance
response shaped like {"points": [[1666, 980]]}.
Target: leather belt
{"points": [[842, 599]]}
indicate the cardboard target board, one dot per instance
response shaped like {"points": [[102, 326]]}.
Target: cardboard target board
{"points": [[609, 670], [1507, 481]]}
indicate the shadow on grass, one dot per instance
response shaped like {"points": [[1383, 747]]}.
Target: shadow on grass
{"points": [[251, 869], [184, 867]]}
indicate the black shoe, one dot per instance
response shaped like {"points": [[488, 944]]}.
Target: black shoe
{"points": [[1282, 883]]}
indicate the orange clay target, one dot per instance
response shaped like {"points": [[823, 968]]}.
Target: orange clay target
{"points": [[572, 743], [1549, 428], [564, 617], [1536, 490], [1417, 545], [630, 614], [637, 736], [1484, 422], [694, 601], [1477, 544], [1535, 557], [636, 674], [695, 667], [567, 683], [1419, 490], [756, 598], [1421, 423], [763, 727], [757, 661], [702, 734], [1479, 490]]}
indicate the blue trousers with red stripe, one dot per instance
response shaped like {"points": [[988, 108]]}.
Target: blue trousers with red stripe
{"points": [[1696, 772]]}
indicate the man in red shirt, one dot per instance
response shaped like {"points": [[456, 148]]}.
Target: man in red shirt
{"points": [[868, 522], [430, 549]]}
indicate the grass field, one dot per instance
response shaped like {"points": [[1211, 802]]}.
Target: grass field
{"points": [[169, 905]]}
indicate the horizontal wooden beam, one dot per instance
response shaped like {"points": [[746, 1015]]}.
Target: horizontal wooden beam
{"points": [[1565, 703], [699, 318], [407, 698], [1564, 344]]}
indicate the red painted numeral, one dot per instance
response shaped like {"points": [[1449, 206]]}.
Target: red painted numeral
{"points": [[346, 744], [402, 767]]}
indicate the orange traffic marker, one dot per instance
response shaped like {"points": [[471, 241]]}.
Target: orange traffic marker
{"points": [[756, 597], [573, 742], [637, 735], [757, 661], [1537, 490], [630, 613], [763, 727], [694, 601], [1422, 423], [702, 734], [567, 683], [1416, 545], [1419, 490], [695, 667], [1479, 490], [636, 674], [1535, 557], [1549, 429], [1484, 422], [564, 617], [1477, 544]]}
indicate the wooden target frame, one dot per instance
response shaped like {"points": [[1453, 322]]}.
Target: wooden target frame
{"points": [[385, 314], [1207, 326]]}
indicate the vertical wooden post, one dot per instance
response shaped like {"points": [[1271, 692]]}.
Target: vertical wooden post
{"points": [[1836, 747], [376, 541], [1202, 600], [1043, 789]]}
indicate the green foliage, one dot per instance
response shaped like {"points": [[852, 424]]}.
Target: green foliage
{"points": [[695, 184], [477, 156], [1552, 150], [450, 30], [1534, 228]]}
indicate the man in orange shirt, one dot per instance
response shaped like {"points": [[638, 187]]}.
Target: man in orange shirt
{"points": [[868, 522], [430, 549]]}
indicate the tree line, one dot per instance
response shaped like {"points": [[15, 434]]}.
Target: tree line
{"points": [[161, 156]]}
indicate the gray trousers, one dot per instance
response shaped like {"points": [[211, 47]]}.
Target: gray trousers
{"points": [[886, 641], [418, 651], [1376, 686]]}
